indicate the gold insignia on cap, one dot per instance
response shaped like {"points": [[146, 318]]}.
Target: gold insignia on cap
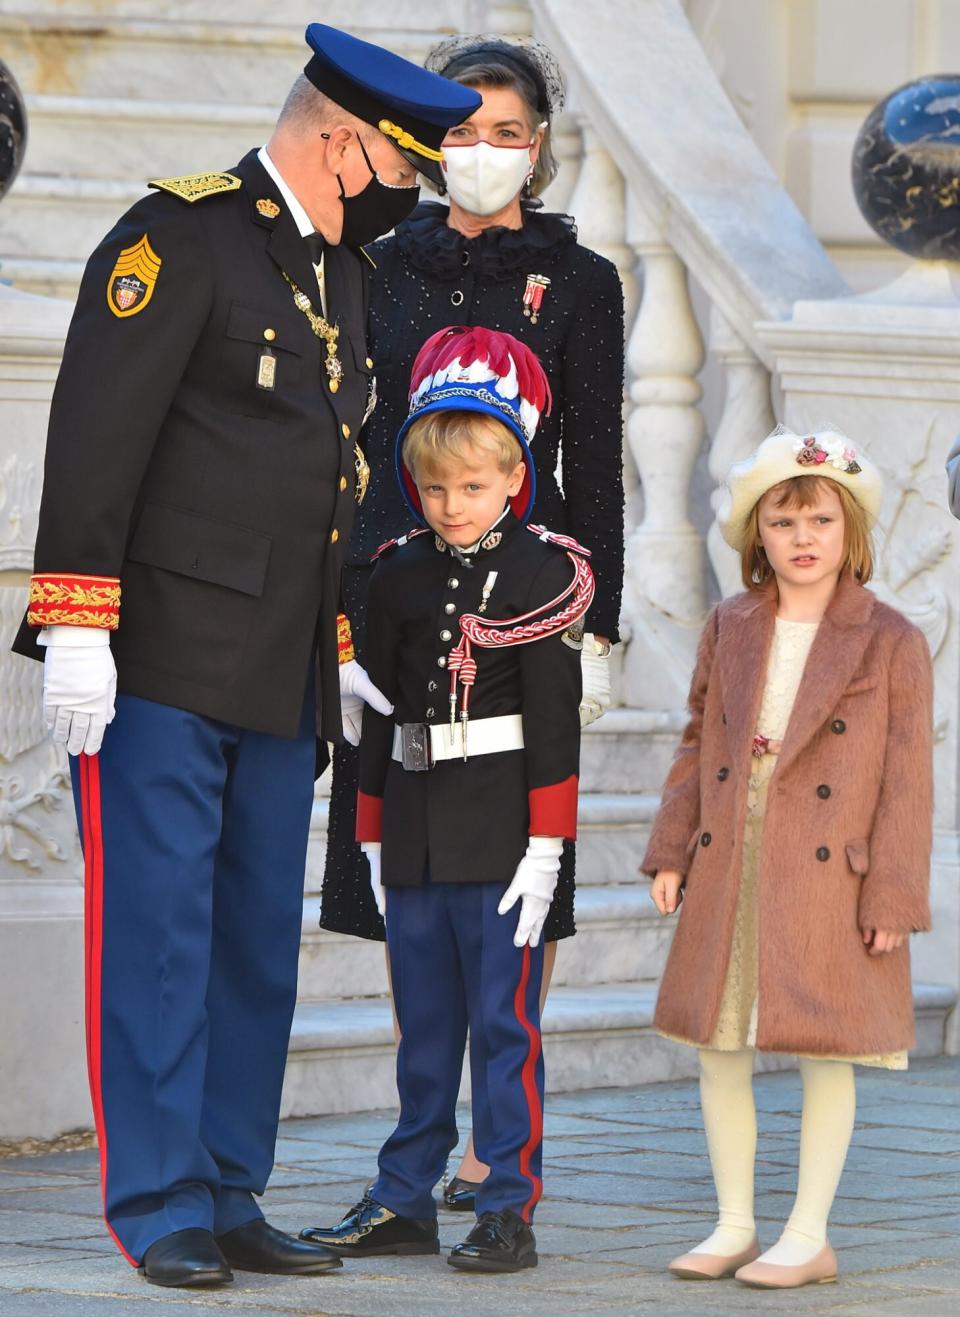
{"points": [[133, 279], [407, 140], [194, 187], [268, 208]]}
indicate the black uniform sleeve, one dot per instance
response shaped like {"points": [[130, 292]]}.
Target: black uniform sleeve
{"points": [[550, 675], [592, 437], [120, 372], [376, 741]]}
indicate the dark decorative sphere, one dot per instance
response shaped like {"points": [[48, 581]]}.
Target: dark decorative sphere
{"points": [[906, 168], [13, 128]]}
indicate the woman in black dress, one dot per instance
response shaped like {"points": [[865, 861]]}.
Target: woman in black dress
{"points": [[494, 258]]}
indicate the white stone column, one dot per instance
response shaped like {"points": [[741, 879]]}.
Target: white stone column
{"points": [[664, 600], [746, 419], [598, 203], [43, 1088]]}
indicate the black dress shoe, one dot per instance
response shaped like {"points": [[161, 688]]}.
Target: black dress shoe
{"points": [[500, 1241], [460, 1195], [188, 1258], [259, 1246], [371, 1230]]}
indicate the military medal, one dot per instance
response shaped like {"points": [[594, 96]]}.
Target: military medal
{"points": [[533, 295], [488, 585], [323, 330], [363, 473]]}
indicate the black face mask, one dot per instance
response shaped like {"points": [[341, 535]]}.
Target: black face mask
{"points": [[375, 210]]}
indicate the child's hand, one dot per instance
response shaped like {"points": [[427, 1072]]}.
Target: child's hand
{"points": [[878, 940], [665, 891]]}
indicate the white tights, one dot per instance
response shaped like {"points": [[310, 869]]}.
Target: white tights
{"points": [[730, 1122]]}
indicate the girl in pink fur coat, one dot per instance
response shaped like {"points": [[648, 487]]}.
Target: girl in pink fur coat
{"points": [[795, 827]]}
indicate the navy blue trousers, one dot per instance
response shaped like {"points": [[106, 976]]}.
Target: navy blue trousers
{"points": [[454, 967], [194, 835]]}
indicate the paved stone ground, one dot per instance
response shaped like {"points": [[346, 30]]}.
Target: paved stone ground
{"points": [[628, 1187]]}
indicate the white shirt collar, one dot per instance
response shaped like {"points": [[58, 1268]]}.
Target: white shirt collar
{"points": [[300, 217]]}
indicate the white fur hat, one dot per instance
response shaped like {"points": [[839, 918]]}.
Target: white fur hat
{"points": [[784, 455]]}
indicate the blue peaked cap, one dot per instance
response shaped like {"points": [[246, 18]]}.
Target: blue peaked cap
{"points": [[411, 106]]}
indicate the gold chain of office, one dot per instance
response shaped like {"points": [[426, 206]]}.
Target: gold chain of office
{"points": [[329, 334]]}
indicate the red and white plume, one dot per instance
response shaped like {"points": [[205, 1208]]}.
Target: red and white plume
{"points": [[464, 354]]}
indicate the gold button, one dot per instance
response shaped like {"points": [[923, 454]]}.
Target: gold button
{"points": [[334, 385], [345, 430], [269, 335], [334, 536], [343, 483], [369, 363]]}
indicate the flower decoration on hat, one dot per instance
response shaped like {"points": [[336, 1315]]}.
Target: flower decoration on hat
{"points": [[829, 450], [469, 368]]}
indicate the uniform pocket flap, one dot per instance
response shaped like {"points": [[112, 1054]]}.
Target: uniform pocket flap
{"points": [[858, 856], [264, 328], [214, 551]]}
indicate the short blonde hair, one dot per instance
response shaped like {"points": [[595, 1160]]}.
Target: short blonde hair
{"points": [[444, 436], [802, 492]]}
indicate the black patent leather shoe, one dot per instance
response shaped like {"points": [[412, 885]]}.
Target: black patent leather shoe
{"points": [[259, 1246], [371, 1230], [460, 1195], [500, 1241], [188, 1258]]}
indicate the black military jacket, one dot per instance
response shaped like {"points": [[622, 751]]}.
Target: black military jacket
{"points": [[469, 821], [222, 506]]}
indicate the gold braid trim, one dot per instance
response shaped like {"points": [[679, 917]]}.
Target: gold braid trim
{"points": [[345, 650], [61, 599]]}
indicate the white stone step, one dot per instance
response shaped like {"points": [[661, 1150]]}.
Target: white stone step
{"points": [[90, 137], [620, 939], [629, 750], [342, 1053], [44, 277], [44, 216]]}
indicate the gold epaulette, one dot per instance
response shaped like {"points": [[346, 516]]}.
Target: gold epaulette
{"points": [[194, 187]]}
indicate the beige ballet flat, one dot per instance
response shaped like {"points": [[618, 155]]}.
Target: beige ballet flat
{"points": [[713, 1266], [820, 1270]]}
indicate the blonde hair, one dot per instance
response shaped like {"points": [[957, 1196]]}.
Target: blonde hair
{"points": [[803, 492], [444, 436]]}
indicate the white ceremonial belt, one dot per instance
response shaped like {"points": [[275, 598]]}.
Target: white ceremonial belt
{"points": [[419, 746]]}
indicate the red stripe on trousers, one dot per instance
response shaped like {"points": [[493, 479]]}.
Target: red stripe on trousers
{"points": [[528, 1077], [93, 947]]}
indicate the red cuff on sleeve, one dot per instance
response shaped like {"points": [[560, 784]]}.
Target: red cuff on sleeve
{"points": [[66, 599], [553, 810], [369, 817]]}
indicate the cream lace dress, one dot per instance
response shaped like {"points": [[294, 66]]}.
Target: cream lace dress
{"points": [[736, 1026]]}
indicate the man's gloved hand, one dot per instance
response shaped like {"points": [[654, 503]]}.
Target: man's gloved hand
{"points": [[534, 882], [79, 686], [371, 850], [595, 672], [356, 690]]}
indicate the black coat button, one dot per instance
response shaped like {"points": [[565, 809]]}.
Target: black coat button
{"points": [[823, 854], [823, 791], [705, 839], [723, 774], [838, 726]]}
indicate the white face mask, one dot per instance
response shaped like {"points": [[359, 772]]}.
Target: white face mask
{"points": [[483, 178]]}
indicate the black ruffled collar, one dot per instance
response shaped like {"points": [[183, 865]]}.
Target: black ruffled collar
{"points": [[430, 245]]}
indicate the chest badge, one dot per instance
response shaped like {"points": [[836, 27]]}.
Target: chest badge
{"points": [[133, 279], [533, 295]]}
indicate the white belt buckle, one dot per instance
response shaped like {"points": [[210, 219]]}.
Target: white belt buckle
{"points": [[416, 749]]}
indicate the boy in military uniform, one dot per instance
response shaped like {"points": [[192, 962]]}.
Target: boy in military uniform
{"points": [[467, 792], [201, 461]]}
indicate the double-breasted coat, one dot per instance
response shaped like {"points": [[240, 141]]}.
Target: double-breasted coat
{"points": [[846, 835], [220, 496]]}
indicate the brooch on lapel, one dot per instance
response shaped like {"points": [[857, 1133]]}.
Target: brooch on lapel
{"points": [[267, 208], [491, 539]]}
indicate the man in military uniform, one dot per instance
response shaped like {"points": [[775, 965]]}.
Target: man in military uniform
{"points": [[201, 467]]}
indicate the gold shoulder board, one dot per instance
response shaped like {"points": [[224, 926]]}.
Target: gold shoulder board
{"points": [[194, 187]]}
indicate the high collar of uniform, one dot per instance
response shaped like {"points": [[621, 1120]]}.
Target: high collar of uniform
{"points": [[492, 539], [429, 244]]}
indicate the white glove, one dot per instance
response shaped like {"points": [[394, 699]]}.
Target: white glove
{"points": [[534, 881], [356, 690], [595, 672], [371, 850], [79, 686]]}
